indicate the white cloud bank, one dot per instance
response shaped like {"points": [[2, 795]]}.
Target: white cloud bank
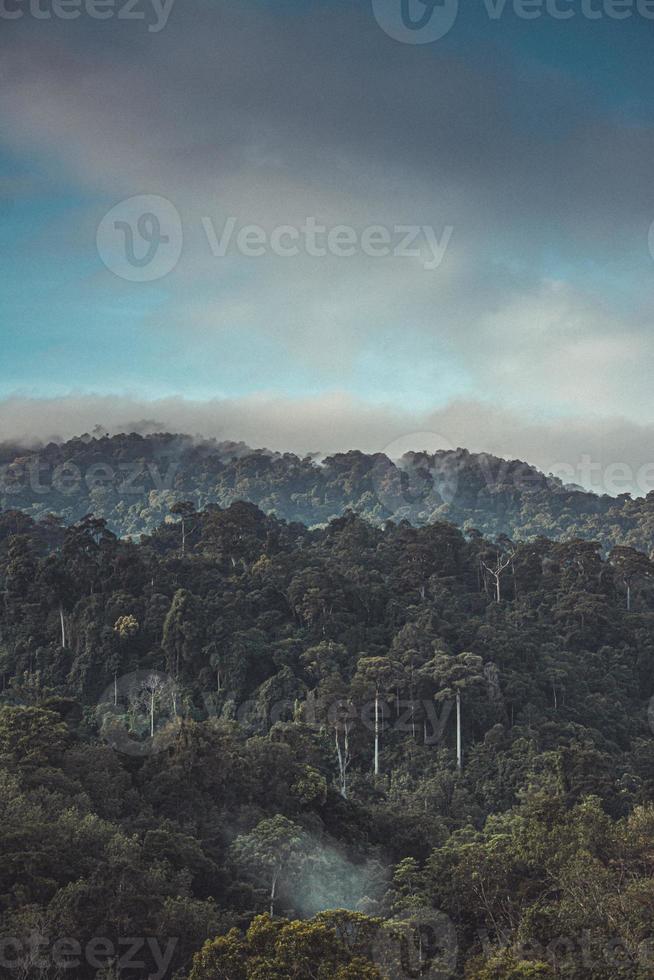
{"points": [[610, 455]]}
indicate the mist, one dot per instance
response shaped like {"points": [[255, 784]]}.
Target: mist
{"points": [[331, 880], [604, 454]]}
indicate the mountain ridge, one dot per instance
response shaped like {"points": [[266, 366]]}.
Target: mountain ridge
{"points": [[133, 480]]}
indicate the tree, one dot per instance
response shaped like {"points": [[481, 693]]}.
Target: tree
{"points": [[126, 627], [631, 566], [325, 659], [185, 510], [182, 631], [59, 587], [150, 695], [330, 708], [505, 965], [21, 567], [330, 946], [375, 677], [496, 562], [276, 846], [31, 738], [454, 675]]}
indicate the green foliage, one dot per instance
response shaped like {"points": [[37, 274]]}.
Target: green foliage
{"points": [[313, 949], [292, 660], [147, 480]]}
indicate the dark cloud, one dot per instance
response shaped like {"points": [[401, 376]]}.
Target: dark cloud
{"points": [[243, 98], [272, 112]]}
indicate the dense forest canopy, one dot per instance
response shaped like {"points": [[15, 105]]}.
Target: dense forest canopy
{"points": [[362, 750], [132, 481]]}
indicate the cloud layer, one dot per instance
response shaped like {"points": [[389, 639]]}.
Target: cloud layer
{"points": [[611, 455]]}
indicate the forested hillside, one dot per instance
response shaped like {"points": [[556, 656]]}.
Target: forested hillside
{"points": [[132, 481], [240, 716]]}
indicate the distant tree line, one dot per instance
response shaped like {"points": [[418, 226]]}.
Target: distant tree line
{"points": [[133, 481]]}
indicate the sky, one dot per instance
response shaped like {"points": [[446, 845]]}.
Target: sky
{"points": [[309, 226]]}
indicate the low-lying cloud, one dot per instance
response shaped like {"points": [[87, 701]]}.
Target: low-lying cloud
{"points": [[610, 454]]}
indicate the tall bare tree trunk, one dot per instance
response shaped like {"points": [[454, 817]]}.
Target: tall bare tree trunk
{"points": [[413, 713], [376, 733], [343, 760], [273, 889], [63, 625], [459, 744]]}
